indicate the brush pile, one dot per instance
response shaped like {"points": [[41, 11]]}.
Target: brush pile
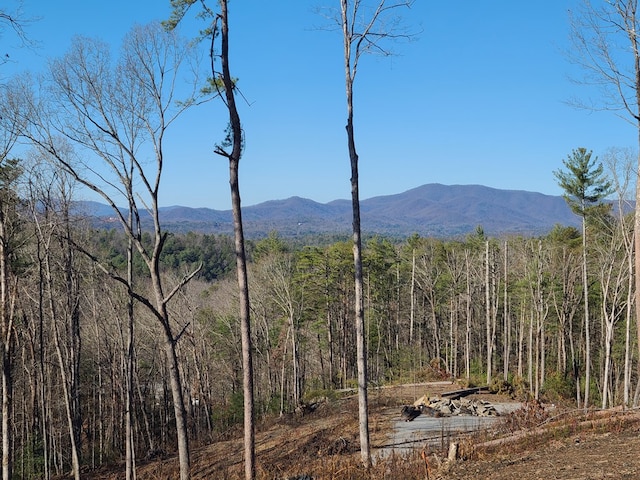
{"points": [[450, 407]]}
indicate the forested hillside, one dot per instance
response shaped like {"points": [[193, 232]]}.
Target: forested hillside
{"points": [[142, 336], [432, 210], [486, 310]]}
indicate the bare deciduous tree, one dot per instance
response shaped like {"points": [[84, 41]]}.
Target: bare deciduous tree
{"points": [[10, 128], [364, 29], [620, 164], [117, 117], [607, 47], [16, 22]]}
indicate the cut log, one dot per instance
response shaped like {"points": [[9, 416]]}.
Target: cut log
{"points": [[464, 392]]}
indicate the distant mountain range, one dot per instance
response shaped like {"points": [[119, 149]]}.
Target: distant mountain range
{"points": [[435, 210]]}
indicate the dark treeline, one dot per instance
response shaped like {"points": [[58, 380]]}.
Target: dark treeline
{"points": [[507, 312]]}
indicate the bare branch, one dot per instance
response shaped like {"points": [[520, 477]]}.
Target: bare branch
{"points": [[16, 22], [186, 279], [372, 29], [602, 37]]}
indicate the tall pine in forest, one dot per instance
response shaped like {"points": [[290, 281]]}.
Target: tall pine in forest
{"points": [[585, 186]]}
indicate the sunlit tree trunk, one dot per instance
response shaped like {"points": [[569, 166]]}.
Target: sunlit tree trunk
{"points": [[361, 354], [130, 455], [6, 316], [362, 31], [506, 321], [468, 312], [241, 262]]}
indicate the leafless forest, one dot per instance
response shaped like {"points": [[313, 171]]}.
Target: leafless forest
{"points": [[489, 310], [126, 343]]}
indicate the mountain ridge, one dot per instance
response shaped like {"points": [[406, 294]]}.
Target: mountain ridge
{"points": [[428, 210]]}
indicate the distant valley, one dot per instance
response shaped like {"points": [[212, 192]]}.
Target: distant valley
{"points": [[432, 210]]}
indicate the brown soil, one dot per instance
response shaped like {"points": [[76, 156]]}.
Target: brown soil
{"points": [[325, 445], [597, 445]]}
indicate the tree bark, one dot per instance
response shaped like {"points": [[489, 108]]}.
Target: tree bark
{"points": [[361, 353], [241, 261]]}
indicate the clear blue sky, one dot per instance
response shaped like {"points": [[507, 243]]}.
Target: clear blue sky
{"points": [[478, 98]]}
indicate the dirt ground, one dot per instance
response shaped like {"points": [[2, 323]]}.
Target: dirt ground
{"points": [[585, 457], [573, 445], [325, 445]]}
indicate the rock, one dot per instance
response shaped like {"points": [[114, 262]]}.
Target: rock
{"points": [[446, 406]]}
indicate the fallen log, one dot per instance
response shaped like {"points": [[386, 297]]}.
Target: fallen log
{"points": [[454, 395]]}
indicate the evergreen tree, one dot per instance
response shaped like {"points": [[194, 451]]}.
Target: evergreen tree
{"points": [[585, 186]]}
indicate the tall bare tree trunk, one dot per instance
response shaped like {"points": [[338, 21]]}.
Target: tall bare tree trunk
{"points": [[628, 320], [175, 379], [506, 322], [361, 354], [487, 297], [468, 310], [241, 261], [413, 295], [130, 455], [636, 239], [633, 38], [8, 290], [7, 339], [7, 392], [587, 323]]}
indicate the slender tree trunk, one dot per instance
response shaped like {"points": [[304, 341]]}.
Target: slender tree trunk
{"points": [[295, 359], [607, 363], [636, 240], [7, 392], [247, 361], [65, 381], [179, 409], [506, 328], [6, 317], [521, 342], [331, 360], [361, 353], [241, 262], [359, 307], [530, 351], [467, 338], [44, 429], [282, 373], [413, 300], [130, 459], [487, 297], [587, 323], [627, 339], [633, 37]]}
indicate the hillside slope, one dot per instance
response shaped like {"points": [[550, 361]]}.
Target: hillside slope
{"points": [[325, 445]]}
